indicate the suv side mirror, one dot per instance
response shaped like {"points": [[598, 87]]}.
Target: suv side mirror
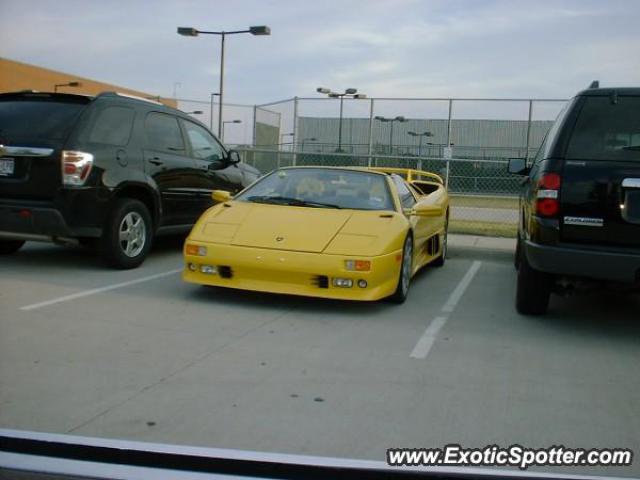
{"points": [[518, 166], [233, 157]]}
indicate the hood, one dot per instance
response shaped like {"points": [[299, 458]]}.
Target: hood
{"points": [[298, 229]]}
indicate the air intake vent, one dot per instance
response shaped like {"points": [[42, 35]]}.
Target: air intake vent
{"points": [[225, 271], [320, 281]]}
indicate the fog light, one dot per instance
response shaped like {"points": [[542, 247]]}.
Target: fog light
{"points": [[210, 269], [343, 282], [362, 283], [192, 267]]}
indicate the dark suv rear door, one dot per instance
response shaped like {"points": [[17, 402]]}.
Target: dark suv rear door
{"points": [[167, 162], [600, 193], [33, 130]]}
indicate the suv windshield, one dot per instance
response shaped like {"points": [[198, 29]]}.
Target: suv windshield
{"points": [[608, 128], [316, 187], [43, 119]]}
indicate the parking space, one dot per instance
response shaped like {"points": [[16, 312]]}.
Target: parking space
{"points": [[141, 355]]}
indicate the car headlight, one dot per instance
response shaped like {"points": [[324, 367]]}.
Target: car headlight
{"points": [[197, 250]]}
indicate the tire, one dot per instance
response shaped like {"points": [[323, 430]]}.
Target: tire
{"points": [[404, 278], [516, 256], [126, 240], [533, 289], [440, 261], [7, 247]]}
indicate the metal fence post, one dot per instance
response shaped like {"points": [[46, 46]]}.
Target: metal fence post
{"points": [[370, 148], [294, 130], [449, 122], [255, 115], [529, 130]]}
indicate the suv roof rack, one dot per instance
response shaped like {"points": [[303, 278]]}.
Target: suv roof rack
{"points": [[127, 95]]}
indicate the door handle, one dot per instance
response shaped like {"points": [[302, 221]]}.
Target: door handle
{"points": [[155, 160]]}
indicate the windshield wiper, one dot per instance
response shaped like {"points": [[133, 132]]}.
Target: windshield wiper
{"points": [[277, 200], [631, 147]]}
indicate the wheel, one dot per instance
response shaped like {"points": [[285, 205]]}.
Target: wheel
{"points": [[439, 262], [127, 236], [404, 279], [533, 289], [516, 256], [10, 246]]}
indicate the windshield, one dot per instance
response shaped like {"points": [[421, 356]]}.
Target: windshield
{"points": [[322, 187], [41, 120]]}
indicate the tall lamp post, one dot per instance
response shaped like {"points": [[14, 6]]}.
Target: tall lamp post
{"points": [[69, 84], [193, 32], [349, 92], [420, 137], [223, 123], [391, 120]]}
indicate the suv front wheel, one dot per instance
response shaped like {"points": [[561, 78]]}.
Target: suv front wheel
{"points": [[533, 289], [127, 236]]}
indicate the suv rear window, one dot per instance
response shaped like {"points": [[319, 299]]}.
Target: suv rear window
{"points": [[113, 126], [607, 129], [37, 119]]}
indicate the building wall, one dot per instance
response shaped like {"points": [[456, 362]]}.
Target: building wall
{"points": [[15, 76]]}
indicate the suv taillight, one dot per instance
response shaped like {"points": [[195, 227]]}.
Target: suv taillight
{"points": [[547, 198], [75, 167]]}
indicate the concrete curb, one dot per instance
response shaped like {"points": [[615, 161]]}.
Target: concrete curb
{"points": [[482, 243]]}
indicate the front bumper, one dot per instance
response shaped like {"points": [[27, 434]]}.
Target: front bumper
{"points": [[599, 264], [293, 273]]}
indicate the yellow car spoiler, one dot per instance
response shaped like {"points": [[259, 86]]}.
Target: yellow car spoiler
{"points": [[410, 174]]}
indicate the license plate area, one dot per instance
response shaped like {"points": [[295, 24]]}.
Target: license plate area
{"points": [[7, 167]]}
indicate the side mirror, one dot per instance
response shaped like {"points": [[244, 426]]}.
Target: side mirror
{"points": [[217, 164], [233, 157], [427, 210], [220, 196], [518, 166]]}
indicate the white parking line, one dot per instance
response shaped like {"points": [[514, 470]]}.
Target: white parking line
{"points": [[94, 291], [428, 338], [421, 350], [456, 295]]}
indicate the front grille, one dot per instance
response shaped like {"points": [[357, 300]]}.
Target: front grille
{"points": [[320, 281], [225, 271]]}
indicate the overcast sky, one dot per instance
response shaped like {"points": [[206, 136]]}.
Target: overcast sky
{"points": [[395, 48]]}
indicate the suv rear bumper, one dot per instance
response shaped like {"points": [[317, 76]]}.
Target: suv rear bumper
{"points": [[40, 223], [583, 262]]}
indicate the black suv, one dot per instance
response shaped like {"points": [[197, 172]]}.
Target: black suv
{"points": [[110, 170], [580, 206]]}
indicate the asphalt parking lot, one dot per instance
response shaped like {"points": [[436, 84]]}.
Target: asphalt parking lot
{"points": [[141, 355]]}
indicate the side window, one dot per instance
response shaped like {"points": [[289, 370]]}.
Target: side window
{"points": [[113, 126], [163, 133], [203, 145], [406, 197]]}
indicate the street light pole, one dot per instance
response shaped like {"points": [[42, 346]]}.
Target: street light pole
{"points": [[193, 32], [349, 92], [221, 89], [399, 118]]}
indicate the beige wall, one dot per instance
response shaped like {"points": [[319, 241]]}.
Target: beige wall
{"points": [[15, 76]]}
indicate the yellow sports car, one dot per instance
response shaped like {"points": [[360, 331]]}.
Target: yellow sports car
{"points": [[346, 233]]}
